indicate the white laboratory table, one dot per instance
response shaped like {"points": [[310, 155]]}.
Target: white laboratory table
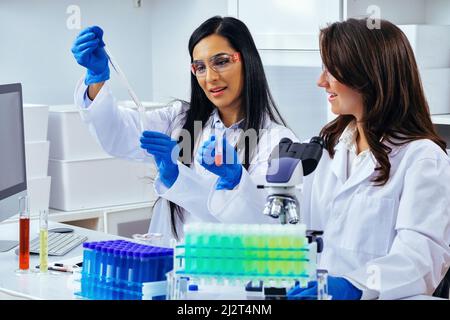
{"points": [[62, 285], [50, 286]]}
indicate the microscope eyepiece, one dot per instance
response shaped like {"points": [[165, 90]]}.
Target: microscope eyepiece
{"points": [[317, 140]]}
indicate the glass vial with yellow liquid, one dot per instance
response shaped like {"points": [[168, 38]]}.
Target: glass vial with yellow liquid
{"points": [[43, 240]]}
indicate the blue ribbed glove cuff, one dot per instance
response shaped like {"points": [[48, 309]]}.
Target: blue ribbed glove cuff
{"points": [[169, 177], [92, 78], [229, 183]]}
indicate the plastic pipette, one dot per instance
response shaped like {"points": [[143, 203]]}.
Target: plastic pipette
{"points": [[125, 82]]}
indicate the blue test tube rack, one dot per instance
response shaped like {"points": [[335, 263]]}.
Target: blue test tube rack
{"points": [[117, 269]]}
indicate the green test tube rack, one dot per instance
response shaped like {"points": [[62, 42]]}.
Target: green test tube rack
{"points": [[245, 251]]}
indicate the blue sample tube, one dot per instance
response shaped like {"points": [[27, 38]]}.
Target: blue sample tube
{"points": [[154, 264], [103, 262], [136, 286], [143, 257], [96, 277], [109, 283], [103, 276], [129, 266], [123, 275], [149, 267], [116, 269], [116, 272], [87, 260], [91, 270], [169, 261], [161, 264]]}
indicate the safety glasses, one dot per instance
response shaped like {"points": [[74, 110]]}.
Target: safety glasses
{"points": [[219, 63]]}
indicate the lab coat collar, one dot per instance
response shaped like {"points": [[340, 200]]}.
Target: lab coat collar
{"points": [[217, 121], [339, 163], [339, 168], [367, 168], [395, 148], [348, 137]]}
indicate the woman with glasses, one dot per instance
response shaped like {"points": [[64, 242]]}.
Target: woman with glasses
{"points": [[227, 130], [381, 192]]}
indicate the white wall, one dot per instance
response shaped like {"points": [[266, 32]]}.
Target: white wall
{"points": [[173, 22], [438, 11], [35, 45], [404, 11], [398, 11]]}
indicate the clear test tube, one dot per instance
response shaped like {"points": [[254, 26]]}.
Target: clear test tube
{"points": [[43, 240], [218, 150], [322, 285], [24, 235]]}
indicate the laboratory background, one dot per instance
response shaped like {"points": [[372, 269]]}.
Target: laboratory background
{"points": [[77, 182]]}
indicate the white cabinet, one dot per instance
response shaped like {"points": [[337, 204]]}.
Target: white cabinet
{"points": [[124, 220], [287, 24], [287, 36], [127, 222], [83, 175], [292, 77]]}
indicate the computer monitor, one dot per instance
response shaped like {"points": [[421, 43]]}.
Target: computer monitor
{"points": [[13, 181]]}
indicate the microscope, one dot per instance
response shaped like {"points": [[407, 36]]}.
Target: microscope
{"points": [[289, 162]]}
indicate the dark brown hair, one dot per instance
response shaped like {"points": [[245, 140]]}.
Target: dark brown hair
{"points": [[380, 65]]}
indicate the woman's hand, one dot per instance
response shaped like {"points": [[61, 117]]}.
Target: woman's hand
{"points": [[339, 289], [166, 152], [229, 171]]}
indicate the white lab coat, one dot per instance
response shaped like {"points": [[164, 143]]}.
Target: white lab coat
{"points": [[117, 131], [391, 241]]}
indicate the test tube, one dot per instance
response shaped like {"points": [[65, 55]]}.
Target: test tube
{"points": [[87, 271], [322, 284], [43, 240], [218, 157], [24, 235]]}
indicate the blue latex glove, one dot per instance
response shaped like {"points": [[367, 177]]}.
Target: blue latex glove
{"points": [[166, 151], [88, 50], [229, 172], [339, 288]]}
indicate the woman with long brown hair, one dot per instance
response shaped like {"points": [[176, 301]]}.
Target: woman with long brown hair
{"points": [[381, 192]]}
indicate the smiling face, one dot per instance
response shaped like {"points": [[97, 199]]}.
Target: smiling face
{"points": [[223, 87], [344, 100]]}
